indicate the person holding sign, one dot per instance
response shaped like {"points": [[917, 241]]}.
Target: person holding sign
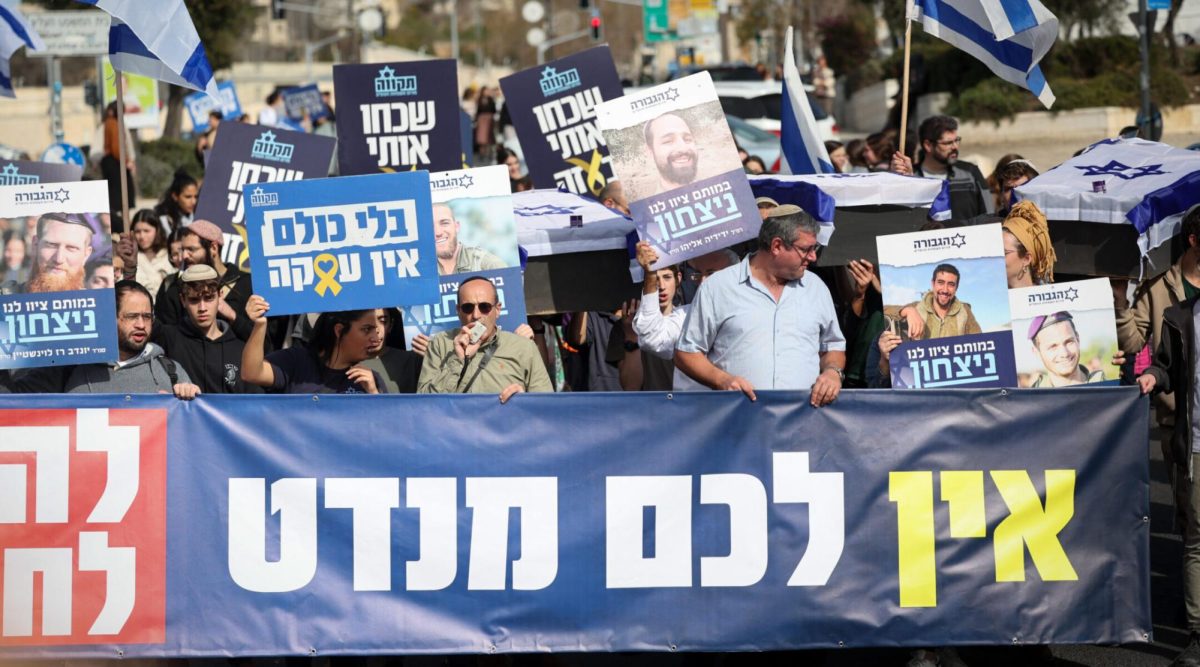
{"points": [[509, 364]]}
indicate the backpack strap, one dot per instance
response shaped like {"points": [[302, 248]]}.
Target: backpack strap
{"points": [[169, 367]]}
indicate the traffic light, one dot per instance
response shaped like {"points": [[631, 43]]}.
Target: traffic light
{"points": [[91, 94], [277, 10], [597, 31], [585, 4]]}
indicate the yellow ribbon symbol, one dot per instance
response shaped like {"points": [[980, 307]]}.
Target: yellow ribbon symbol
{"points": [[328, 281], [595, 178]]}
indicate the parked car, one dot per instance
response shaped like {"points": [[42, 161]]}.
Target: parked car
{"points": [[760, 103], [727, 72], [756, 142]]}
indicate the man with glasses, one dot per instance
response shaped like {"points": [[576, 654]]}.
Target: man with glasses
{"points": [[479, 358], [767, 323], [939, 146]]}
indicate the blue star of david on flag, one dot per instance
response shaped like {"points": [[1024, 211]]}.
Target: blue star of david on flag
{"points": [[1114, 168]]}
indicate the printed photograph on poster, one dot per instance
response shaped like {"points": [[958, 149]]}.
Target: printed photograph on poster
{"points": [[476, 234], [246, 154], [342, 243], [945, 294], [199, 105], [56, 299], [398, 116], [25, 172], [1064, 334], [141, 97], [553, 108], [675, 156]]}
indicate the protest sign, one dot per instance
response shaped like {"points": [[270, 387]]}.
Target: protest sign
{"points": [[952, 281], [199, 105], [342, 243], [677, 161], [476, 235], [141, 97], [59, 307], [1064, 334], [553, 108], [304, 100], [351, 525], [397, 117], [25, 172], [247, 154]]}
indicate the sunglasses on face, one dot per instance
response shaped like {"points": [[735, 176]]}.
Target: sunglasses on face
{"points": [[469, 308]]}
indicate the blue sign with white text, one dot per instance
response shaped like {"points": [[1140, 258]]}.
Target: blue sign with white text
{"points": [[55, 328], [342, 243], [975, 360], [304, 100], [199, 105]]}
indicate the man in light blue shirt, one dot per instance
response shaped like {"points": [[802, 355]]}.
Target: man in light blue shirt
{"points": [[764, 323]]}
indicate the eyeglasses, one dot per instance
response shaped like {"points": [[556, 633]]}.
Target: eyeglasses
{"points": [[134, 317], [807, 250], [469, 308], [953, 142]]}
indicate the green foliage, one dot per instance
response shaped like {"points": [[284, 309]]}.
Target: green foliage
{"points": [[1087, 17], [755, 17], [848, 40], [158, 161], [1091, 56], [992, 99]]}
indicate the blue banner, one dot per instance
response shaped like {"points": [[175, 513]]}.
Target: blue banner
{"points": [[975, 360], [398, 117], [199, 105], [24, 172], [553, 108], [342, 243], [304, 100], [51, 329], [305, 525], [247, 154]]}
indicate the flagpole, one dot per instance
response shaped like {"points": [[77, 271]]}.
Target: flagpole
{"points": [[121, 150], [904, 85]]}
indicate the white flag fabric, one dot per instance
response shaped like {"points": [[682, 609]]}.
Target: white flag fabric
{"points": [[15, 32], [1009, 36], [157, 39], [543, 220], [803, 150], [1122, 181]]}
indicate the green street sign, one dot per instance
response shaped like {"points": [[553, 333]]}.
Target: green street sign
{"points": [[655, 21]]}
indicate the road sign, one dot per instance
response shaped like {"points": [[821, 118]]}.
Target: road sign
{"points": [[1158, 4], [71, 33], [656, 21], [62, 153]]}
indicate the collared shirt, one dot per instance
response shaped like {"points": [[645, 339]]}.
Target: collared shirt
{"points": [[658, 334], [515, 361], [739, 326]]}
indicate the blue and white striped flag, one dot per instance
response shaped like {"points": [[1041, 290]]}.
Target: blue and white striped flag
{"points": [[157, 39], [803, 150], [15, 32], [1009, 36]]}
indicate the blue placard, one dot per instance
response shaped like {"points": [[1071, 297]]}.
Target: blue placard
{"points": [[976, 360], [1158, 4], [199, 105], [398, 117], [305, 100], [342, 243], [55, 328]]}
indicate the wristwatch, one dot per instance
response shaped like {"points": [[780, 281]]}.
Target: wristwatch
{"points": [[841, 373], [631, 346]]}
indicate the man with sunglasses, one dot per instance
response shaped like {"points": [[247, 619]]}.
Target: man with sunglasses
{"points": [[767, 323], [939, 145], [497, 362]]}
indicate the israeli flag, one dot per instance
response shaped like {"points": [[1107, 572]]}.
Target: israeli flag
{"points": [[1122, 182], [803, 150], [543, 219], [157, 39], [15, 32], [1009, 36]]}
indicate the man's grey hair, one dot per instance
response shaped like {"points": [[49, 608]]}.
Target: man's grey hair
{"points": [[786, 227]]}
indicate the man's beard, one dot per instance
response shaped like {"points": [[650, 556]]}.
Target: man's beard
{"points": [[207, 261], [131, 347], [448, 251], [56, 282], [684, 174], [948, 160]]}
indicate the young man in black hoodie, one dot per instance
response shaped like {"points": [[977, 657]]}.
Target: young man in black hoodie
{"points": [[203, 343]]}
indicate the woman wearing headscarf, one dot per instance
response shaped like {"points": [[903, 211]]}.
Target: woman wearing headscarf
{"points": [[1028, 254]]}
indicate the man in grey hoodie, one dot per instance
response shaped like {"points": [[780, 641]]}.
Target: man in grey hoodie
{"points": [[142, 368]]}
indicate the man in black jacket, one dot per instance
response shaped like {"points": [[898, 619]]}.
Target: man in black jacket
{"points": [[202, 343], [969, 194], [1174, 370]]}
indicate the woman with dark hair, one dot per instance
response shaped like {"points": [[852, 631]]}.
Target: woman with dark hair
{"points": [[332, 361], [882, 147], [175, 248], [178, 203], [153, 264], [838, 156], [861, 157]]}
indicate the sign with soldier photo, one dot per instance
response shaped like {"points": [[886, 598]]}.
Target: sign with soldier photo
{"points": [[677, 161], [553, 108], [398, 117], [476, 235], [945, 295], [57, 304], [1064, 334]]}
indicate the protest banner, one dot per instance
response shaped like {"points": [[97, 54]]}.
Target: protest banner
{"points": [[453, 524], [199, 105], [59, 309], [141, 97], [476, 234], [1064, 334], [678, 164], [303, 100], [342, 243], [952, 281], [248, 154], [553, 108], [25, 172], [397, 117]]}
